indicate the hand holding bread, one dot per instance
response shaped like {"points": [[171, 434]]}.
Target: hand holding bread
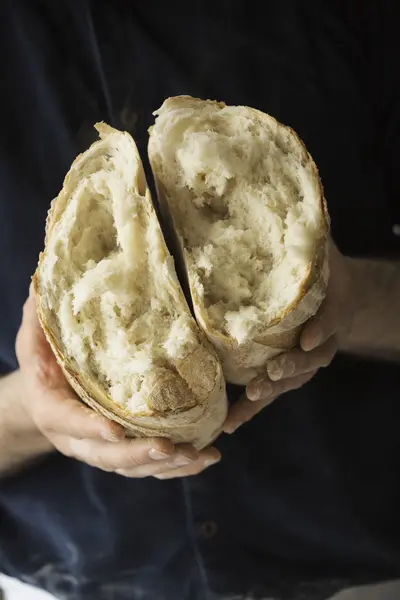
{"points": [[79, 432], [242, 199], [113, 310], [319, 342]]}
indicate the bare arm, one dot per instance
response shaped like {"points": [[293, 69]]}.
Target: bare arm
{"points": [[375, 327], [20, 441]]}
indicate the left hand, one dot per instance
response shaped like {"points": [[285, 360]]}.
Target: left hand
{"points": [[319, 342], [51, 409]]}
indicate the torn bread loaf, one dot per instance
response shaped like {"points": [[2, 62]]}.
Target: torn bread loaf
{"points": [[112, 308], [243, 198]]}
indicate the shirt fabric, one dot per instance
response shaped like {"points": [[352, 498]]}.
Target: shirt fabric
{"points": [[305, 500]]}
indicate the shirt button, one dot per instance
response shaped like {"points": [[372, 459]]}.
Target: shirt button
{"points": [[208, 529]]}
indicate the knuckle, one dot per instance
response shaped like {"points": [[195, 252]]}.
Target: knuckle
{"points": [[134, 458]]}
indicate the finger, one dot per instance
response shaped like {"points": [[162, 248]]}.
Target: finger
{"points": [[183, 456], [207, 458], [322, 326], [295, 362], [130, 454], [57, 410], [244, 410]]}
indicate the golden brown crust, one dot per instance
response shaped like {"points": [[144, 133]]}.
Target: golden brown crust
{"points": [[180, 406], [243, 362]]}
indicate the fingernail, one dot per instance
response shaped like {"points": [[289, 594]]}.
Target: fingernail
{"points": [[211, 461], [161, 476], [180, 461], [278, 371], [274, 370], [110, 436], [158, 454], [253, 392]]}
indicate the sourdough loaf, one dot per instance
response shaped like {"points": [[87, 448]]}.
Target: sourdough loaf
{"points": [[243, 200], [112, 308]]}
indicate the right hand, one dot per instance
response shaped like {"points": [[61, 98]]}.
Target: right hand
{"points": [[79, 432]]}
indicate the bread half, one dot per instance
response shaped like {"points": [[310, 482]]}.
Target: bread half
{"points": [[112, 308], [244, 200]]}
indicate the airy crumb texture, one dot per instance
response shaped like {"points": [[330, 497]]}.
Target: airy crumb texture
{"points": [[245, 200], [110, 300]]}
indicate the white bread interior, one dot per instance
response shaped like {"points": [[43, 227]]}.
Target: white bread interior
{"points": [[112, 308], [244, 199]]}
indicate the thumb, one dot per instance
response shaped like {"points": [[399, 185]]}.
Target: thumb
{"points": [[320, 327]]}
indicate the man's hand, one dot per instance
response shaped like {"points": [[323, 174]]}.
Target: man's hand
{"points": [[79, 432], [318, 345]]}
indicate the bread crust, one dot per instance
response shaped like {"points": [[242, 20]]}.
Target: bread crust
{"points": [[242, 362], [186, 404]]}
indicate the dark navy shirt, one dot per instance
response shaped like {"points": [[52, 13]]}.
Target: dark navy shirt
{"points": [[306, 499]]}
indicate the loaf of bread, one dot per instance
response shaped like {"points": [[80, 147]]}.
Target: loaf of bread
{"points": [[243, 199], [112, 308]]}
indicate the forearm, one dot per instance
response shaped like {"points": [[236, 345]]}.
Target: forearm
{"points": [[20, 441], [375, 328]]}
